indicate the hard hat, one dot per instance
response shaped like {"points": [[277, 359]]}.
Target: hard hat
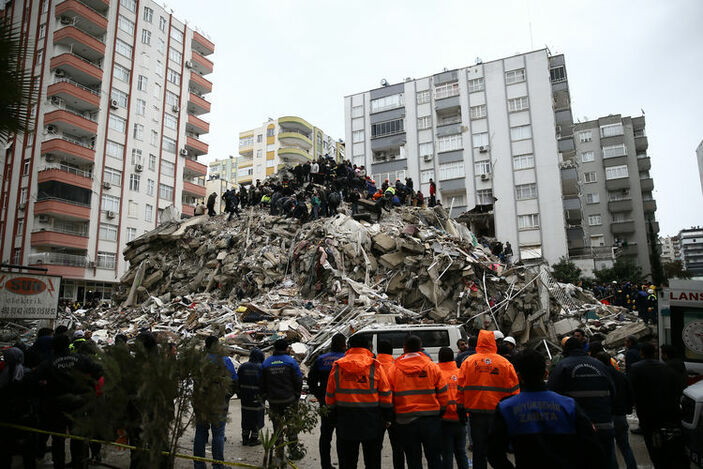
{"points": [[498, 335], [510, 340], [563, 341], [650, 291]]}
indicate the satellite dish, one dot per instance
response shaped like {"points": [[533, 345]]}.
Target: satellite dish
{"points": [[479, 61], [384, 82]]}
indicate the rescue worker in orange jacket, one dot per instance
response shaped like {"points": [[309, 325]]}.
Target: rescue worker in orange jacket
{"points": [[454, 419], [359, 399], [419, 401], [385, 357], [484, 379]]}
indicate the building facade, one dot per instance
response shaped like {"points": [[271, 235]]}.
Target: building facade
{"points": [[699, 157], [691, 241], [486, 135], [115, 139], [670, 249]]}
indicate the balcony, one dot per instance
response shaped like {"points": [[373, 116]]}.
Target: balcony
{"points": [[569, 181], [196, 168], [628, 251], [80, 42], [647, 184], [196, 125], [649, 205], [59, 263], [617, 184], [92, 21], [101, 6], [655, 227], [195, 146], [641, 143], [71, 122], [200, 64], [572, 210], [195, 190], [644, 163], [203, 45], [68, 148], [288, 123], [188, 210], [74, 94], [624, 205], [60, 239], [197, 105], [447, 105], [67, 175], [295, 139], [62, 208], [293, 155], [620, 227], [199, 83], [78, 68]]}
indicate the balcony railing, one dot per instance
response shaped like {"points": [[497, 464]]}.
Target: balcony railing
{"points": [[90, 8], [80, 57], [72, 140], [43, 197], [75, 83], [68, 169], [85, 115], [69, 228], [58, 258]]}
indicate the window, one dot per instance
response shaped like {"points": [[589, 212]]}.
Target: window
{"points": [[484, 197], [588, 156], [148, 14], [120, 97], [515, 76], [23, 195], [167, 168], [121, 73], [177, 35], [271, 132], [387, 128], [358, 136], [152, 162], [161, 46], [426, 149], [148, 212], [110, 203], [528, 222], [42, 31], [482, 167], [270, 163], [165, 192], [157, 91], [131, 234], [173, 76], [137, 156], [142, 83], [477, 112], [246, 141], [451, 170], [480, 140], [357, 111], [426, 175], [259, 138], [175, 56], [117, 123], [171, 122], [107, 260], [169, 145], [594, 220], [108, 232], [162, 23], [154, 137], [589, 176], [25, 167], [611, 130], [123, 48], [592, 198], [616, 172], [518, 104], [557, 74], [520, 133], [424, 122], [258, 153], [114, 149], [477, 84], [20, 226], [40, 57], [622, 217], [131, 5], [585, 136], [45, 6], [454, 199], [171, 99], [423, 97], [598, 240], [150, 187], [134, 182], [125, 24], [447, 90], [613, 151], [138, 131], [619, 195], [526, 191], [449, 143], [388, 102], [146, 37], [523, 161], [132, 209]]}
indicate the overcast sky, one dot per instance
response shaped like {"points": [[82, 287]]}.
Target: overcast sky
{"points": [[275, 58]]}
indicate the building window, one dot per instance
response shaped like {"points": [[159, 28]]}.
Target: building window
{"points": [[148, 212], [114, 149], [526, 191], [515, 76], [528, 222], [520, 133], [592, 198], [173, 76], [120, 97], [23, 195], [270, 163], [585, 136], [557, 74], [271, 132], [270, 147], [482, 167], [157, 91], [623, 194], [611, 130], [259, 154], [148, 14], [131, 5], [387, 128], [589, 176], [477, 112], [110, 203], [451, 170], [146, 37], [167, 168], [169, 145], [141, 107], [177, 35], [175, 56], [446, 90], [142, 83], [358, 136], [259, 138], [134, 182], [107, 260], [484, 197], [152, 162], [132, 209], [123, 48], [138, 132], [426, 149], [25, 167], [150, 187], [161, 46], [246, 141], [598, 240], [154, 137], [121, 73], [449, 143], [171, 99], [518, 104], [616, 172], [108, 232], [171, 122], [594, 220], [426, 175], [162, 23], [165, 192], [20, 226], [424, 122], [125, 24], [588, 156], [523, 161], [117, 123], [131, 234], [477, 84], [480, 140], [614, 151], [423, 97], [387, 102]]}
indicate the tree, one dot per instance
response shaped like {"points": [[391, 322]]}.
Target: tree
{"points": [[15, 84], [566, 271], [675, 270], [621, 271]]}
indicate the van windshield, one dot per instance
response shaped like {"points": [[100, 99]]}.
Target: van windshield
{"points": [[430, 338]]}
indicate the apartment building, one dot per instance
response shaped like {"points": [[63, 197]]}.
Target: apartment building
{"points": [[616, 188], [699, 157], [116, 135], [691, 241], [670, 248], [285, 141], [486, 135]]}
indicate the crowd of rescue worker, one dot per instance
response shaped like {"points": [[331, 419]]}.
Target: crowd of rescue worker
{"points": [[640, 298], [567, 412]]}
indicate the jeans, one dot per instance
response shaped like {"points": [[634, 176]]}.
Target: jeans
{"points": [[480, 425], [665, 453], [325, 443], [418, 435], [79, 449], [355, 208], [621, 439], [454, 445], [218, 443], [348, 453], [606, 438]]}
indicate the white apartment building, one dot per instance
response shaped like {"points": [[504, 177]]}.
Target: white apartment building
{"points": [[115, 139], [486, 135]]}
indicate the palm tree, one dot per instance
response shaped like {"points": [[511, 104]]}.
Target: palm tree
{"points": [[15, 84]]}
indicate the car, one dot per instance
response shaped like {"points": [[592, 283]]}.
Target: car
{"points": [[433, 336]]}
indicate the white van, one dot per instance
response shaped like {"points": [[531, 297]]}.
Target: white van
{"points": [[433, 336]]}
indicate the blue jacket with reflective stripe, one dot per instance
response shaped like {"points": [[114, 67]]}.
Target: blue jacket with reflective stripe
{"points": [[282, 379], [539, 412], [320, 373]]}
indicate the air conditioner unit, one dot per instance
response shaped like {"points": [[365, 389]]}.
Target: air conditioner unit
{"points": [[189, 64], [49, 158], [114, 104], [66, 20], [391, 156], [175, 109], [428, 158], [107, 185], [43, 218], [184, 152], [464, 128], [110, 214], [22, 205], [485, 177], [59, 73], [483, 148], [91, 264], [138, 168], [55, 100], [51, 129]]}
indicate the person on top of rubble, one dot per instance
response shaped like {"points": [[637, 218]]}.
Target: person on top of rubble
{"points": [[252, 406], [78, 340], [433, 193], [544, 429], [315, 202], [454, 419], [211, 204], [231, 203], [242, 195], [300, 210], [508, 253], [485, 379], [381, 204], [370, 187], [651, 315], [317, 383], [354, 197], [588, 381], [333, 200]]}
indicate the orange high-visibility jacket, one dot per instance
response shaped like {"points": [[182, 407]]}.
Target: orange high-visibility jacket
{"points": [[485, 377], [418, 387], [450, 374], [358, 380], [387, 362]]}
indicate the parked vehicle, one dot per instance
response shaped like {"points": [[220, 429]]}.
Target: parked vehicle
{"points": [[434, 336]]}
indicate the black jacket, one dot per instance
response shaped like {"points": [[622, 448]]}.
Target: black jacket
{"points": [[624, 397], [282, 381], [657, 393]]}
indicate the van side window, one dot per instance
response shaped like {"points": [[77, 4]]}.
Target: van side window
{"points": [[436, 338], [396, 338]]}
